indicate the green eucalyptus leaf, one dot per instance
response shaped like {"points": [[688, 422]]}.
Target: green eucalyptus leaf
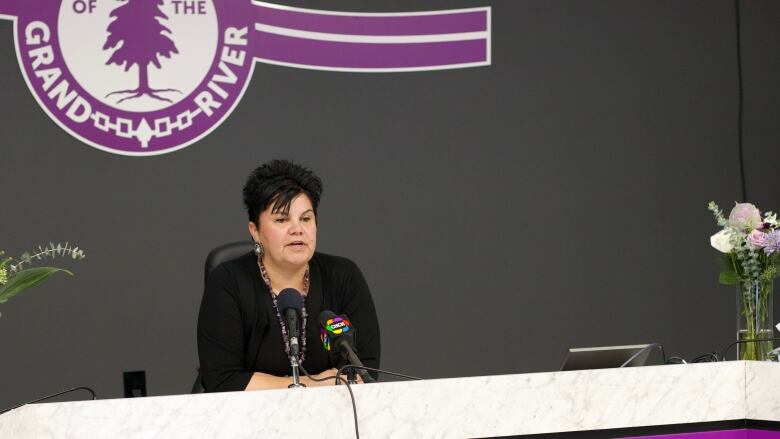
{"points": [[26, 279]]}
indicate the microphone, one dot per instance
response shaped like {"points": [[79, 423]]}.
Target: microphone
{"points": [[290, 302], [337, 333]]}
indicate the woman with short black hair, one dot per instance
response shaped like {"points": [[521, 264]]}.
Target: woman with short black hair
{"points": [[241, 341]]}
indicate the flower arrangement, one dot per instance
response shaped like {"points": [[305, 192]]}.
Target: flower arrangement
{"points": [[750, 245], [17, 275]]}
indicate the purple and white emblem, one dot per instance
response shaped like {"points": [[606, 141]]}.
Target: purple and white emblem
{"points": [[148, 77]]}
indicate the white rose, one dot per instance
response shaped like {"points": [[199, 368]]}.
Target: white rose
{"points": [[721, 242]]}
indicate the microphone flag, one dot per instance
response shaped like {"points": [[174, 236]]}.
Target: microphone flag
{"points": [[332, 327]]}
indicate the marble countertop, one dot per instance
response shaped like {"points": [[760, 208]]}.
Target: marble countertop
{"points": [[498, 405]]}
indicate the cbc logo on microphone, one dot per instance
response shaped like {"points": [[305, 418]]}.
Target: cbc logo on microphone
{"points": [[336, 326]]}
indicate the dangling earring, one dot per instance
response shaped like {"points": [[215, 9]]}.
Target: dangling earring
{"points": [[259, 250]]}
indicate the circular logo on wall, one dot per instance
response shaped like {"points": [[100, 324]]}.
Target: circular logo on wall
{"points": [[136, 77]]}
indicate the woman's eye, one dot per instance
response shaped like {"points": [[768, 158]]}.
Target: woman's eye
{"points": [[306, 219], [280, 220]]}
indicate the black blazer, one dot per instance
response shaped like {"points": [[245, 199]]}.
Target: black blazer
{"points": [[236, 318]]}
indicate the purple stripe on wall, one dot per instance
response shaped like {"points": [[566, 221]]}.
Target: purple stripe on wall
{"points": [[440, 23], [317, 53], [9, 7], [723, 434]]}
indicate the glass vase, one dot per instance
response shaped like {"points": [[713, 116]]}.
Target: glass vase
{"points": [[754, 319]]}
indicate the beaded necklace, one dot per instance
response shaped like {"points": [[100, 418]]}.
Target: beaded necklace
{"points": [[285, 337]]}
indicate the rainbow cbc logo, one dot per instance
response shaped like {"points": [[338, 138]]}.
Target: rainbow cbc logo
{"points": [[336, 326], [148, 77]]}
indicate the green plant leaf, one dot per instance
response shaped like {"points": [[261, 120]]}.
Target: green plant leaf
{"points": [[26, 279], [724, 261], [728, 277]]}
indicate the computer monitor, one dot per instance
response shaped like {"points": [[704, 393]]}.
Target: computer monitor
{"points": [[605, 357]]}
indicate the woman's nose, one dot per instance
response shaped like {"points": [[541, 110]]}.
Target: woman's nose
{"points": [[295, 227]]}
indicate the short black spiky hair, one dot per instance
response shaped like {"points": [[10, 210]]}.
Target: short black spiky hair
{"points": [[276, 184]]}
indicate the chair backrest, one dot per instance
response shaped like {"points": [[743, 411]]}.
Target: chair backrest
{"points": [[224, 252]]}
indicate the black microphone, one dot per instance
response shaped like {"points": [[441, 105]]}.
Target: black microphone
{"points": [[337, 333], [290, 302]]}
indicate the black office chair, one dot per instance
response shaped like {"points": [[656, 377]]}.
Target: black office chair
{"points": [[224, 252]]}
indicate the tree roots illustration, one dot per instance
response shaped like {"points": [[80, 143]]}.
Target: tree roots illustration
{"points": [[138, 92]]}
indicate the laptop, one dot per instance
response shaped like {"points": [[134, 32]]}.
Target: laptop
{"points": [[605, 357]]}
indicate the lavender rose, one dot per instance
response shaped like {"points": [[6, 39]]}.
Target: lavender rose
{"points": [[757, 239], [745, 216]]}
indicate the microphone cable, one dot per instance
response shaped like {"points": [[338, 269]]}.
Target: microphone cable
{"points": [[710, 357], [94, 397], [371, 369], [747, 340], [340, 380], [705, 358]]}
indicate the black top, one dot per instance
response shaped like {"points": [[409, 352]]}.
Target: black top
{"points": [[239, 333]]}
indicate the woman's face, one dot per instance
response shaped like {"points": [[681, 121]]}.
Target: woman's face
{"points": [[288, 239]]}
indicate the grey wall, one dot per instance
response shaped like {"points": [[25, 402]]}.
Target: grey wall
{"points": [[500, 214]]}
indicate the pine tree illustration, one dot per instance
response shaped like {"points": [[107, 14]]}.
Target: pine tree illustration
{"points": [[138, 37]]}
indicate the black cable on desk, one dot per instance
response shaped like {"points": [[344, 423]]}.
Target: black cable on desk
{"points": [[94, 396]]}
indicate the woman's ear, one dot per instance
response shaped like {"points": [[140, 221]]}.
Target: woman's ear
{"points": [[254, 231]]}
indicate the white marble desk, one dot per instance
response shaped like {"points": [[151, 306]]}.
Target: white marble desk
{"points": [[446, 408]]}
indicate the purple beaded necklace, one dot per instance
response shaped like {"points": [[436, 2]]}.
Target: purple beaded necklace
{"points": [[285, 337]]}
